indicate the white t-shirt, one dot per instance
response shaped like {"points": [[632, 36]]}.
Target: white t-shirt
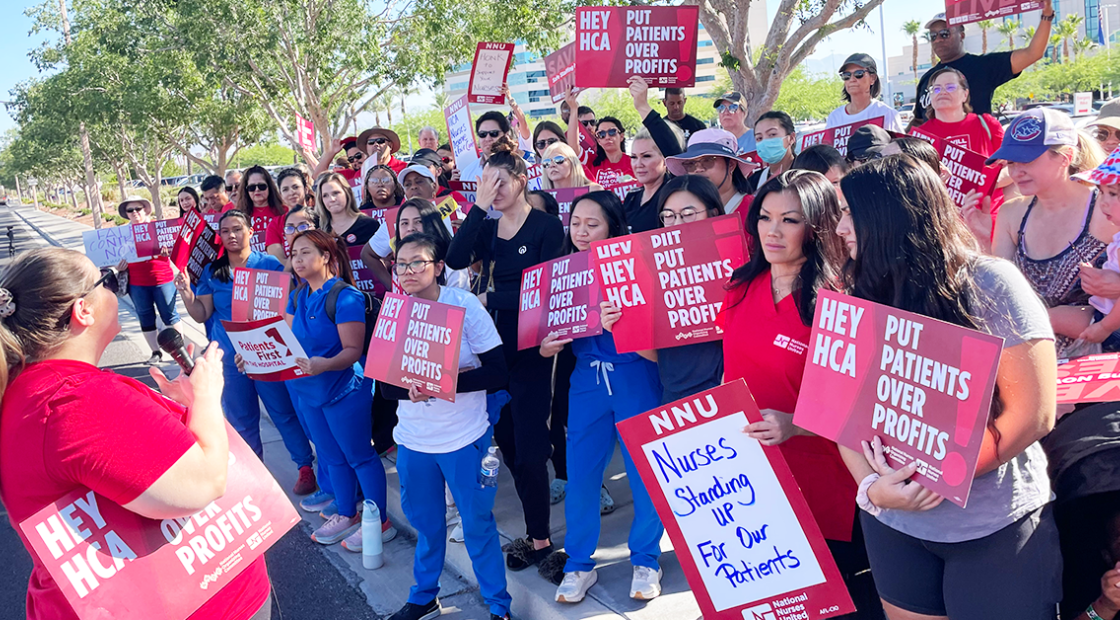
{"points": [[438, 426], [456, 278], [473, 172], [877, 108]]}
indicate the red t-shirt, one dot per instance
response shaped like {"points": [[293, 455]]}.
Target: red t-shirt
{"points": [[609, 174], [150, 272], [213, 217], [397, 165], [66, 425], [766, 345], [982, 134], [268, 228]]}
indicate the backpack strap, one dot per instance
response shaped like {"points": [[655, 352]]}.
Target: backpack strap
{"points": [[332, 297]]}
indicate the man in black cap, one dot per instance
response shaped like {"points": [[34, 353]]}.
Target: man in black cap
{"points": [[733, 117], [862, 86], [984, 73], [867, 143]]}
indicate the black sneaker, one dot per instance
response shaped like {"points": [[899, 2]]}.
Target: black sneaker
{"points": [[412, 611], [520, 554], [155, 359], [497, 617]]}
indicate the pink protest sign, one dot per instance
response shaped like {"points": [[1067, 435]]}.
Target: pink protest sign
{"points": [[559, 296], [966, 169], [363, 276], [113, 563], [154, 238], [414, 342], [837, 137], [560, 67], [259, 294], [1089, 379], [924, 387], [565, 197], [305, 133], [616, 42], [968, 11]]}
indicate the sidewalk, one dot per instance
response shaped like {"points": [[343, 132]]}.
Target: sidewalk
{"points": [[386, 589]]}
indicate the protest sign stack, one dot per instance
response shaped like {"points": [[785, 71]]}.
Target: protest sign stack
{"points": [[669, 282], [656, 43], [558, 296], [417, 342], [196, 247], [966, 168], [924, 387], [745, 537]]}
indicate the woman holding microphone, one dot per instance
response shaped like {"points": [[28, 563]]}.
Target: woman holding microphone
{"points": [[161, 458]]}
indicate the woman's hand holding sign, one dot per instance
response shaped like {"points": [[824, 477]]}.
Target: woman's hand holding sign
{"points": [[774, 428], [313, 366], [609, 314], [894, 489], [553, 344]]}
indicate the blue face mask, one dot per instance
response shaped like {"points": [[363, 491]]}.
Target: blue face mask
{"points": [[772, 150]]}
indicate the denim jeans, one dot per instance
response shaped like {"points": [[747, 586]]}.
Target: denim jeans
{"points": [[148, 299]]}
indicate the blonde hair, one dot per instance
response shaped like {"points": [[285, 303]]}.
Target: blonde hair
{"points": [[324, 213], [578, 176], [644, 134], [1086, 156]]}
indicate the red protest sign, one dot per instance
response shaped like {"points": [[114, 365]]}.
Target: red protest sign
{"points": [[560, 67], [968, 11], [104, 557], [966, 168], [196, 247], [745, 537], [305, 134], [468, 190], [615, 43], [566, 196], [415, 341], [1089, 379], [623, 188], [259, 294], [559, 296], [921, 385], [153, 238], [836, 136], [489, 71], [268, 347], [363, 276], [669, 282]]}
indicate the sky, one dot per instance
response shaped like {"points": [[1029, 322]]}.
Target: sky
{"points": [[16, 66]]}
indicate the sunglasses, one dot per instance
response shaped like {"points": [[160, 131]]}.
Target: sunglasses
{"points": [[607, 132], [589, 123], [544, 144], [354, 158], [944, 33], [446, 160], [693, 166], [553, 161], [948, 88], [414, 267], [378, 141], [863, 159], [1103, 133], [289, 229], [857, 74], [489, 134], [109, 279], [728, 107], [257, 187], [134, 210]]}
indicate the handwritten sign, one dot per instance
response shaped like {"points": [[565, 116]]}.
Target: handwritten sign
{"points": [[669, 282], [363, 276], [969, 11], [745, 537], [488, 74], [559, 296], [107, 246], [1089, 379], [305, 134], [560, 67], [414, 342], [615, 43], [259, 294], [461, 132], [154, 238], [104, 557], [924, 387], [269, 348], [565, 196], [836, 136]]}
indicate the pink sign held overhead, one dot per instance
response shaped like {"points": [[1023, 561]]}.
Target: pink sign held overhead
{"points": [[488, 73], [614, 43], [560, 67], [305, 133], [923, 386], [961, 12]]}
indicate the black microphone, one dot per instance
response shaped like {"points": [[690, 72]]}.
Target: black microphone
{"points": [[171, 341]]}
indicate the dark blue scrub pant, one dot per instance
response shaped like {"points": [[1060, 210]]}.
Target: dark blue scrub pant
{"points": [[243, 410]]}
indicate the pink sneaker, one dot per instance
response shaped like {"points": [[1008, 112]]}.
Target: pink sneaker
{"points": [[353, 542], [336, 528]]}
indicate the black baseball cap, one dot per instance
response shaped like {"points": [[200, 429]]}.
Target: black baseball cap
{"points": [[867, 140], [426, 157], [862, 60], [731, 97]]}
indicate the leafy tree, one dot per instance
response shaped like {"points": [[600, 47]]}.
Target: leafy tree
{"points": [[1010, 29], [1066, 30]]}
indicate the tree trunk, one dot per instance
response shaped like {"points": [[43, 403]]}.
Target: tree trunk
{"points": [[984, 42], [915, 65], [94, 194], [121, 171], [157, 204], [73, 189]]}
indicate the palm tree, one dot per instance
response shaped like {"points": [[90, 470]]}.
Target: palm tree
{"points": [[1009, 28], [1082, 45], [912, 28], [1055, 41], [1066, 30], [984, 26]]}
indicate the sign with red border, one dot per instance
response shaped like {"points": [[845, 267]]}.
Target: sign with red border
{"points": [[488, 73], [268, 347]]}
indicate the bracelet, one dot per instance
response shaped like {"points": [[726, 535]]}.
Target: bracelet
{"points": [[1049, 18], [1092, 613], [863, 501]]}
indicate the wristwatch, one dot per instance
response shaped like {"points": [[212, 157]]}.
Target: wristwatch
{"points": [[1049, 18]]}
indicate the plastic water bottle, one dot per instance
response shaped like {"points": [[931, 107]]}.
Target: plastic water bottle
{"points": [[371, 535], [490, 466]]}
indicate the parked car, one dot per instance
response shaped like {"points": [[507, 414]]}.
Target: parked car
{"points": [[906, 114]]}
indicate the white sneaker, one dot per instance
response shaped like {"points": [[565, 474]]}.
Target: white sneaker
{"points": [[575, 586], [457, 533], [452, 516], [646, 584]]}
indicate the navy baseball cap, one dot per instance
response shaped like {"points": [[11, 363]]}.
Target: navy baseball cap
{"points": [[1032, 133]]}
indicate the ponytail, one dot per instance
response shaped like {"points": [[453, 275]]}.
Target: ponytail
{"points": [[40, 288]]}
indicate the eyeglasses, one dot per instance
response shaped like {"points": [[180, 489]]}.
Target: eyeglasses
{"points": [[687, 214], [607, 132], [866, 157], [588, 123], [380, 181], [354, 158], [489, 134], [944, 33], [544, 144], [553, 161], [290, 229], [134, 210], [693, 166], [728, 107], [377, 141], [948, 88], [857, 74], [414, 267], [257, 187]]}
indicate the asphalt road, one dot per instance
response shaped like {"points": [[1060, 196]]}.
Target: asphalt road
{"points": [[307, 582]]}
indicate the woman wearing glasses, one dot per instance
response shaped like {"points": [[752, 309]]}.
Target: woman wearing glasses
{"points": [[562, 169], [610, 165], [711, 154], [381, 190], [545, 134], [149, 282], [67, 425], [259, 198], [861, 94]]}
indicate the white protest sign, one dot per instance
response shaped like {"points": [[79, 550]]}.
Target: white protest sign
{"points": [[107, 246], [461, 133], [489, 71], [268, 347]]}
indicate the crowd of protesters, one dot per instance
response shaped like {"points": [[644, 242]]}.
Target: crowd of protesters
{"points": [[1034, 261]]}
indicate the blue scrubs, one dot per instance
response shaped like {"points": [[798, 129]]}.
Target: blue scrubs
{"points": [[240, 396], [607, 388], [336, 404]]}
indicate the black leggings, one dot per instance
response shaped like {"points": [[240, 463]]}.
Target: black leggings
{"points": [[558, 425], [522, 431]]}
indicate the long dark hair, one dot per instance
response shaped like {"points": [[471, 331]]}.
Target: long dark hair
{"points": [[820, 246], [600, 154], [696, 185], [612, 210], [190, 191], [545, 126], [338, 261], [299, 173], [433, 225], [367, 200], [435, 245], [220, 269], [244, 203], [821, 158]]}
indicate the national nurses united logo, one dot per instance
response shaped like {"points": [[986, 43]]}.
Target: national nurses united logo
{"points": [[793, 346], [760, 612], [1026, 128]]}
